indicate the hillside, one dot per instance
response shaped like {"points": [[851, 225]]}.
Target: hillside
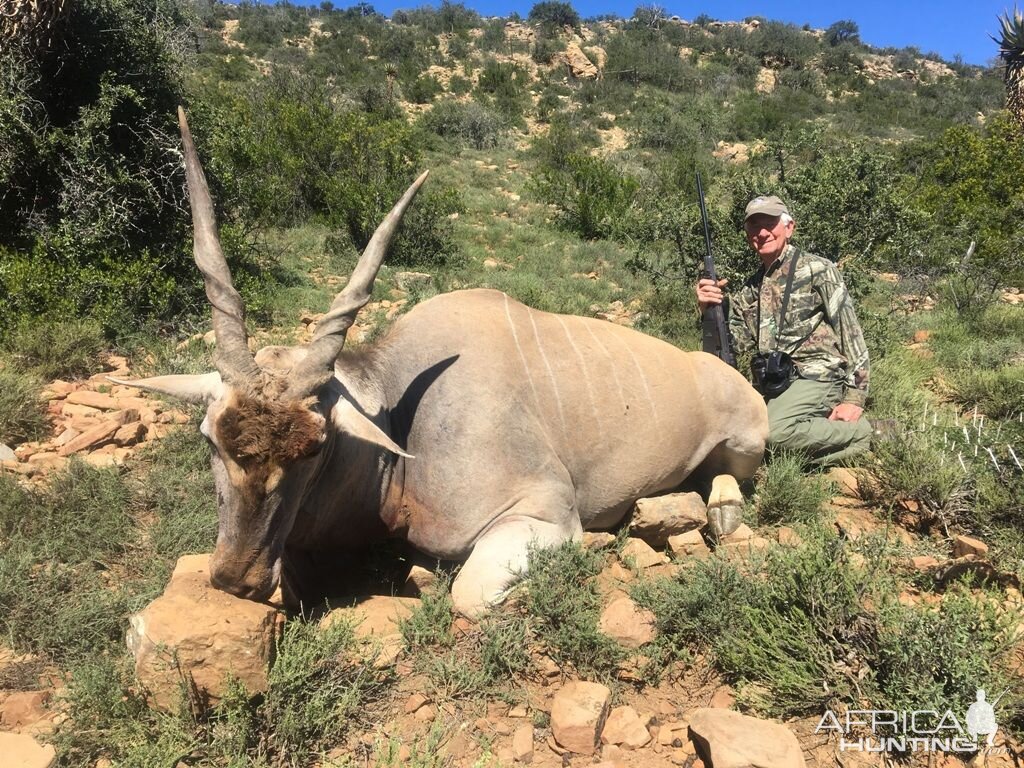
{"points": [[562, 154]]}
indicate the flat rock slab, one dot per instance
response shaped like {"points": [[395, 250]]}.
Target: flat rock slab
{"points": [[727, 739], [18, 750], [578, 714], [202, 634]]}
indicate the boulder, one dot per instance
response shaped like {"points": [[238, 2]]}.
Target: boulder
{"points": [[965, 545], [578, 714], [625, 729], [689, 544], [626, 623], [727, 739], [641, 554], [198, 635], [22, 751], [656, 519], [7, 453], [418, 581]]}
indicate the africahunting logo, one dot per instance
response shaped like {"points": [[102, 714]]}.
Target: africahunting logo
{"points": [[926, 730]]}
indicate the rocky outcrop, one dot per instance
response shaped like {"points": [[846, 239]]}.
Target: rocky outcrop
{"points": [[576, 61], [196, 638]]}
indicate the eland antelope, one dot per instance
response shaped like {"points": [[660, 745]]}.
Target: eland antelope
{"points": [[477, 427]]}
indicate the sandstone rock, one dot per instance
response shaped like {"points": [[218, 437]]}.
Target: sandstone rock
{"points": [[845, 480], [723, 698], [202, 633], [923, 562], [61, 388], [627, 624], [418, 581], [788, 537], [22, 751], [656, 519], [689, 544], [426, 713], [23, 708], [740, 535], [376, 621], [99, 434], [578, 713], [727, 739], [99, 400], [625, 728], [965, 545], [7, 453], [130, 434], [414, 702], [522, 744], [641, 554], [576, 60], [737, 153], [71, 410], [66, 435], [597, 539], [766, 80]]}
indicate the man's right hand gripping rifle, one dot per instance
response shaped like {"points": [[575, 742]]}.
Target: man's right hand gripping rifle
{"points": [[714, 324]]}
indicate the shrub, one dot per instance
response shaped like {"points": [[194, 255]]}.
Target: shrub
{"points": [[785, 494], [470, 124], [562, 601], [90, 215], [57, 349], [591, 194], [22, 412], [554, 15], [423, 89], [774, 628]]}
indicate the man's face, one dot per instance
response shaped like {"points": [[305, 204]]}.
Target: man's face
{"points": [[767, 235]]}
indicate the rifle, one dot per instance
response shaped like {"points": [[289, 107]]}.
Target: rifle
{"points": [[713, 326]]}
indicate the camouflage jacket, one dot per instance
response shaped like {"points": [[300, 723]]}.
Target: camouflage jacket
{"points": [[820, 331]]}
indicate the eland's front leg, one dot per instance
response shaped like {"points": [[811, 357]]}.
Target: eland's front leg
{"points": [[501, 555]]}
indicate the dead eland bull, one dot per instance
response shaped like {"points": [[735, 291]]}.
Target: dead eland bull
{"points": [[476, 427]]}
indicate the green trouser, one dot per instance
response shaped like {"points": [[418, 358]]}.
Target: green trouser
{"points": [[798, 421]]}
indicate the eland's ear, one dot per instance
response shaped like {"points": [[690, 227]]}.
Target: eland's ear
{"points": [[192, 388], [349, 420]]}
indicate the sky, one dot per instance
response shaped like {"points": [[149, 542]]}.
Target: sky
{"points": [[947, 27]]}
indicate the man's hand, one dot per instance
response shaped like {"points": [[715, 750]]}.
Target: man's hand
{"points": [[846, 412], [709, 293]]}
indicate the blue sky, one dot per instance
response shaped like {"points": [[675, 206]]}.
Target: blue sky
{"points": [[948, 27]]}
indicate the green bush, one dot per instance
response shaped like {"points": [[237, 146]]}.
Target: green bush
{"points": [[58, 349], [564, 606], [554, 15], [786, 494], [774, 628], [90, 218], [22, 412], [592, 196], [423, 89], [470, 124]]}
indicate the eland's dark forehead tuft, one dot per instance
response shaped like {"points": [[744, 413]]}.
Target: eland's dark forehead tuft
{"points": [[254, 430]]}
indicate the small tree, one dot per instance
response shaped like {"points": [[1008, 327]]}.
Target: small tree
{"points": [[554, 15], [845, 31]]}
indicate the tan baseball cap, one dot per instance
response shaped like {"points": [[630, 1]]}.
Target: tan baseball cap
{"points": [[767, 204]]}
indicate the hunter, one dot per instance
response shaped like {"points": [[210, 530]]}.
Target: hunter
{"points": [[795, 317]]}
